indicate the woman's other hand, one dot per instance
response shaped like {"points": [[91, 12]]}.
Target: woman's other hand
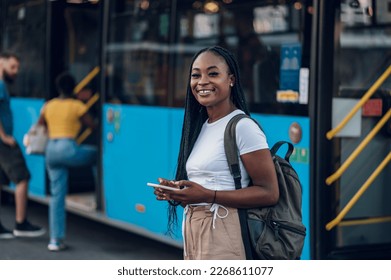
{"points": [[191, 193], [162, 194]]}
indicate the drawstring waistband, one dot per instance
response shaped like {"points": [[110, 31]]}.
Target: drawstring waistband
{"points": [[214, 208]]}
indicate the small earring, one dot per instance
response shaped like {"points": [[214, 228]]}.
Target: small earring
{"points": [[231, 84]]}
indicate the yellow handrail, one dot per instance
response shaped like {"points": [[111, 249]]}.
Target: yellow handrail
{"points": [[84, 135], [86, 80], [359, 149], [365, 221], [92, 100], [88, 131], [359, 193], [362, 101]]}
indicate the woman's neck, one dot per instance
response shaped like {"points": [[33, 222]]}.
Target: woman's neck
{"points": [[64, 96], [214, 114]]}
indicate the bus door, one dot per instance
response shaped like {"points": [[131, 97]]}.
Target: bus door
{"points": [[74, 46], [139, 130], [352, 170]]}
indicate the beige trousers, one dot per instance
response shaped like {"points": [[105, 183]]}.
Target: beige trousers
{"points": [[208, 240]]}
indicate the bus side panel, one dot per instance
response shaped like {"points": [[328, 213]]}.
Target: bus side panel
{"points": [[277, 128], [175, 128], [25, 113], [136, 142]]}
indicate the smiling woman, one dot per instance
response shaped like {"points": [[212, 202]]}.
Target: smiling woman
{"points": [[211, 84], [211, 222]]}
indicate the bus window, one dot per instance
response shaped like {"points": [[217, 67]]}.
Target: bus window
{"points": [[137, 65], [81, 50], [25, 34], [255, 31], [365, 33]]}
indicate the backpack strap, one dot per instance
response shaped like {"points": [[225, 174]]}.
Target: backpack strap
{"points": [[231, 152], [278, 145], [231, 149]]}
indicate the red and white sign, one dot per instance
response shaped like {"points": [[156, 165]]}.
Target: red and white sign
{"points": [[373, 108]]}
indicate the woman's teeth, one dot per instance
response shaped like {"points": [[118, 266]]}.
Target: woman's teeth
{"points": [[204, 92]]}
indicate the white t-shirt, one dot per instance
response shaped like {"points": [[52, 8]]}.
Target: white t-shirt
{"points": [[207, 164]]}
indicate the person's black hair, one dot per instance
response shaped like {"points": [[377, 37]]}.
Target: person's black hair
{"points": [[65, 83], [196, 115]]}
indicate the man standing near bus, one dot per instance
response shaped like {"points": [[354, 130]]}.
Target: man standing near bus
{"points": [[12, 163]]}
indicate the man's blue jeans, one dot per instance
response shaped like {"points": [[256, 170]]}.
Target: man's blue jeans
{"points": [[61, 154]]}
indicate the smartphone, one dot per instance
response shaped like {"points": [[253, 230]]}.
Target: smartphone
{"points": [[162, 187]]}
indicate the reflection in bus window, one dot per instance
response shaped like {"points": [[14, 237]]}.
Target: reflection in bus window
{"points": [[25, 35], [206, 25], [137, 59], [259, 62], [151, 45], [365, 33], [271, 19], [253, 31], [81, 48]]}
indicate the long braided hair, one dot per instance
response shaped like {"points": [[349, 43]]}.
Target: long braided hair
{"points": [[195, 117]]}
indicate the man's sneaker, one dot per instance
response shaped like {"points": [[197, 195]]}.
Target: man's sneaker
{"points": [[25, 229], [5, 233], [56, 245]]}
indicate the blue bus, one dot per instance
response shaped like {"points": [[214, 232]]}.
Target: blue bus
{"points": [[315, 73]]}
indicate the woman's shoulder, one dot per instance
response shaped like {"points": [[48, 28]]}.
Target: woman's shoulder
{"points": [[250, 136], [247, 124], [243, 123], [51, 102], [78, 102], [61, 102], [249, 127], [74, 102]]}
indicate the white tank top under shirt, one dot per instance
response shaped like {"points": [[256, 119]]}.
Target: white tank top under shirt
{"points": [[207, 164]]}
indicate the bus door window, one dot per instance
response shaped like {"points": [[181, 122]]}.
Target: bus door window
{"points": [[82, 53], [137, 51], [361, 56]]}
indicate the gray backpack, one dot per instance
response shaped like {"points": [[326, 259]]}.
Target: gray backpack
{"points": [[275, 232]]}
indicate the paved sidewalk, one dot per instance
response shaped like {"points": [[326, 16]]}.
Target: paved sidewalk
{"points": [[87, 240]]}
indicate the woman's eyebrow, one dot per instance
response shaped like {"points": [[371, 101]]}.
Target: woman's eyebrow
{"points": [[210, 67]]}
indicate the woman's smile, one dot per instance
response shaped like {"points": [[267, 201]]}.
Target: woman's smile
{"points": [[205, 92]]}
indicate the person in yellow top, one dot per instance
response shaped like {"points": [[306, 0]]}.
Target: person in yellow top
{"points": [[64, 116]]}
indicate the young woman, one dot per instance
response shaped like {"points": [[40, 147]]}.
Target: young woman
{"points": [[211, 226], [64, 117]]}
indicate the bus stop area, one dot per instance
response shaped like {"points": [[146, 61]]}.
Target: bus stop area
{"points": [[86, 240]]}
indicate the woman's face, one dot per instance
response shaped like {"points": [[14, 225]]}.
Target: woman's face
{"points": [[210, 80]]}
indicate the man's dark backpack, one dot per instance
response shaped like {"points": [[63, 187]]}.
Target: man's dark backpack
{"points": [[275, 232]]}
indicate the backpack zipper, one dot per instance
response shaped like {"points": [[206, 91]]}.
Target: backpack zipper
{"points": [[276, 227]]}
